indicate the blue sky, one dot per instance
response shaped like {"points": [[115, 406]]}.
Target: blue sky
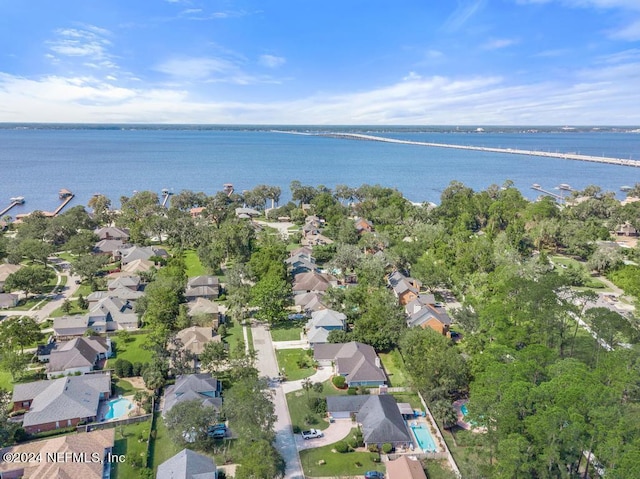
{"points": [[409, 62]]}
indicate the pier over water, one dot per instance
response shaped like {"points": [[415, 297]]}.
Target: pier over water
{"points": [[546, 154]]}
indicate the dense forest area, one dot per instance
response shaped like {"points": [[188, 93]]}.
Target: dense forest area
{"points": [[544, 395]]}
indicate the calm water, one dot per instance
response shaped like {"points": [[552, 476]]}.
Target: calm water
{"points": [[36, 163]]}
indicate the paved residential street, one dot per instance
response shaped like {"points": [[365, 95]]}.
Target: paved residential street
{"points": [[268, 366]]}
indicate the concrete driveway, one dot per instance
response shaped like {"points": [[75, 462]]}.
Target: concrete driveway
{"points": [[336, 431]]}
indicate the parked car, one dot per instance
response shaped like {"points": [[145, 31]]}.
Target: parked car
{"points": [[217, 431], [311, 434], [373, 475]]}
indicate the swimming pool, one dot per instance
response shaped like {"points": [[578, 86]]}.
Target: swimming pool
{"points": [[118, 408], [424, 438], [463, 410]]}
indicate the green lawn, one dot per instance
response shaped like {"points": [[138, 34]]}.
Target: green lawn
{"points": [[287, 331], [337, 464], [467, 450], [234, 335], [394, 367], [131, 441], [84, 290], [26, 305], [124, 388], [299, 407], [132, 350], [250, 339], [162, 447], [411, 398], [56, 313], [194, 266], [288, 358], [438, 470], [590, 282], [5, 381]]}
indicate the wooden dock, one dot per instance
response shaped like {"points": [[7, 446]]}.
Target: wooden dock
{"points": [[546, 154], [548, 193], [8, 208], [66, 196]]}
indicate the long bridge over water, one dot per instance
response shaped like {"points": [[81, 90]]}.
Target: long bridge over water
{"points": [[546, 154]]}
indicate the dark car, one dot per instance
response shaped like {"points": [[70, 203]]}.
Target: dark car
{"points": [[217, 431], [373, 475]]}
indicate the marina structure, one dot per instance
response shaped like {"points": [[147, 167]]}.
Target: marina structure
{"points": [[15, 201]]}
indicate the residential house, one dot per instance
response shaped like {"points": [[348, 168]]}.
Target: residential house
{"points": [[626, 229], [194, 338], [202, 387], [109, 246], [405, 467], [112, 233], [8, 300], [108, 314], [405, 289], [122, 293], [197, 212], [80, 355], [62, 402], [357, 362], [127, 255], [309, 302], [322, 323], [426, 313], [5, 270], [204, 286], [301, 263], [94, 446], [187, 465], [312, 232], [133, 283], [313, 282], [204, 308], [246, 213], [378, 416], [363, 226]]}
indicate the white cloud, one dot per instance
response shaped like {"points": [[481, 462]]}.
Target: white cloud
{"points": [[630, 33], [211, 70], [271, 61], [463, 12], [603, 94], [499, 43]]}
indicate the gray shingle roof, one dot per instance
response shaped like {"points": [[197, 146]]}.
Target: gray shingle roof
{"points": [[77, 353], [62, 399], [188, 387], [381, 421], [356, 361], [327, 318], [187, 465]]}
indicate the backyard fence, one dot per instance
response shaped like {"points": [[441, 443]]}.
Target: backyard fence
{"points": [[112, 424], [417, 455]]}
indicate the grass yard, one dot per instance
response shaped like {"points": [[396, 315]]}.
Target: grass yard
{"points": [[564, 261], [394, 367], [132, 350], [56, 313], [27, 304], [124, 388], [438, 470], [411, 398], [287, 331], [131, 440], [301, 414], [288, 359], [234, 334], [84, 290], [5, 381], [194, 266], [337, 464], [162, 447], [467, 450]]}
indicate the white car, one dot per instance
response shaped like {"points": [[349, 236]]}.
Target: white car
{"points": [[311, 434]]}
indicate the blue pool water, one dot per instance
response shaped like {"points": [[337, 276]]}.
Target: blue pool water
{"points": [[423, 436], [118, 408], [464, 410]]}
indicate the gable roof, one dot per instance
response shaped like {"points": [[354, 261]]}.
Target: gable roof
{"points": [[401, 284], [194, 339], [203, 280], [128, 282], [427, 313], [77, 353], [187, 465], [112, 232], [405, 468], [357, 361], [202, 306], [381, 421], [327, 318], [61, 399], [203, 387], [312, 281], [86, 442]]}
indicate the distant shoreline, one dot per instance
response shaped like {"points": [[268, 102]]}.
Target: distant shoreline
{"points": [[546, 154]]}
